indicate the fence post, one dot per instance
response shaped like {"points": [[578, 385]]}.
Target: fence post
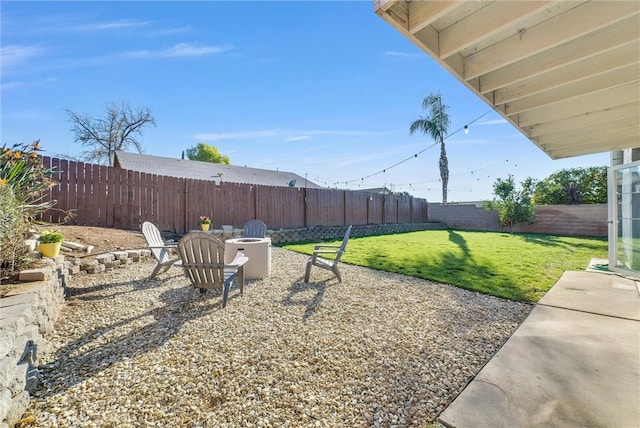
{"points": [[254, 188], [305, 220], [384, 207], [344, 207], [411, 209], [185, 204]]}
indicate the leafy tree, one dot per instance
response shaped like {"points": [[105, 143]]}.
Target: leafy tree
{"points": [[573, 186], [119, 129], [513, 206], [206, 153], [436, 125]]}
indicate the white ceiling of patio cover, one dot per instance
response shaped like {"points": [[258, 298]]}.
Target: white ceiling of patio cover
{"points": [[565, 73]]}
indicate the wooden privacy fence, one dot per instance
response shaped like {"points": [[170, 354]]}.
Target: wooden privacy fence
{"points": [[112, 197]]}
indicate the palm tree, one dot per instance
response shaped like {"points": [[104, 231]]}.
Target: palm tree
{"points": [[435, 125]]}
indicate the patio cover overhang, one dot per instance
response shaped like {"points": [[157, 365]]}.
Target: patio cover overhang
{"points": [[565, 73]]}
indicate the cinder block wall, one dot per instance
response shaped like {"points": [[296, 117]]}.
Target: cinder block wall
{"points": [[572, 220], [320, 233]]}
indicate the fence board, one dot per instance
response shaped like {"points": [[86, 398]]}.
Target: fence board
{"points": [[145, 189], [72, 179], [63, 187], [164, 191], [390, 209], [195, 203], [376, 211], [110, 183], [119, 199], [91, 202], [403, 213], [173, 203], [87, 192], [166, 198]]}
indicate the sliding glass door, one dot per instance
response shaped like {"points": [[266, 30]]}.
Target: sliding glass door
{"points": [[624, 218]]}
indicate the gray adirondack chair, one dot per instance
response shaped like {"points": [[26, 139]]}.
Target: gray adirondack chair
{"points": [[160, 249], [202, 257], [328, 263], [254, 229]]}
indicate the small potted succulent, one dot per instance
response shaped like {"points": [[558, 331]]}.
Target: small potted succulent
{"points": [[205, 222], [50, 242]]}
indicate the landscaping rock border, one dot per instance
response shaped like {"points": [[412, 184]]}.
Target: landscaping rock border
{"points": [[28, 311]]}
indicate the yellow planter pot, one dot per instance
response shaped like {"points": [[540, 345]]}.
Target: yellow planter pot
{"points": [[50, 250], [205, 227]]}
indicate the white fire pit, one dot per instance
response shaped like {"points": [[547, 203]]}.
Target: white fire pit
{"points": [[257, 249]]}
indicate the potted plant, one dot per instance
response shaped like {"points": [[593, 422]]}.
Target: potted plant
{"points": [[205, 222], [50, 242]]}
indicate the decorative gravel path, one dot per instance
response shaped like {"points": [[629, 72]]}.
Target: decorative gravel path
{"points": [[378, 350]]}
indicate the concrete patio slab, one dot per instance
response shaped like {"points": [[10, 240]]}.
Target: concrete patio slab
{"points": [[598, 293], [563, 367]]}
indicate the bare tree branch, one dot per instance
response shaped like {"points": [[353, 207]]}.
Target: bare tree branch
{"points": [[119, 129]]}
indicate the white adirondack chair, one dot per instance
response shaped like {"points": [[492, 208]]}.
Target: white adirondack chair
{"points": [[161, 250]]}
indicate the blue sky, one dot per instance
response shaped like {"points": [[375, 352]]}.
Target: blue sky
{"points": [[326, 90]]}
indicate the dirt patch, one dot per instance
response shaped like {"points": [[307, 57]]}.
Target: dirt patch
{"points": [[103, 239]]}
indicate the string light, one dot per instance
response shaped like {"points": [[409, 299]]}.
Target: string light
{"points": [[465, 127]]}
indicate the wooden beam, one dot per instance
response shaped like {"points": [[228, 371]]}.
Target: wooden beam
{"points": [[601, 82], [605, 145], [603, 63], [586, 119], [620, 95], [594, 44], [423, 13], [560, 29], [615, 129], [487, 21]]}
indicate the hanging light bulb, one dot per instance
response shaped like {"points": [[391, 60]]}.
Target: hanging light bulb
{"points": [[466, 129]]}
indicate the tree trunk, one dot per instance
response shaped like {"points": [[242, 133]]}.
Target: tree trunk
{"points": [[444, 170]]}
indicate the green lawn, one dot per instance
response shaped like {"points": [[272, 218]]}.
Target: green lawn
{"points": [[513, 266]]}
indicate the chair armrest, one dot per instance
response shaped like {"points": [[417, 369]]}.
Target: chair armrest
{"points": [[317, 247], [239, 260], [325, 251], [163, 246]]}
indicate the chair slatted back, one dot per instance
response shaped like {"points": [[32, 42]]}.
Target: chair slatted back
{"points": [[343, 247], [154, 241], [202, 257], [254, 229]]}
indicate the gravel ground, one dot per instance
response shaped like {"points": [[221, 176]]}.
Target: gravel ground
{"points": [[378, 350]]}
